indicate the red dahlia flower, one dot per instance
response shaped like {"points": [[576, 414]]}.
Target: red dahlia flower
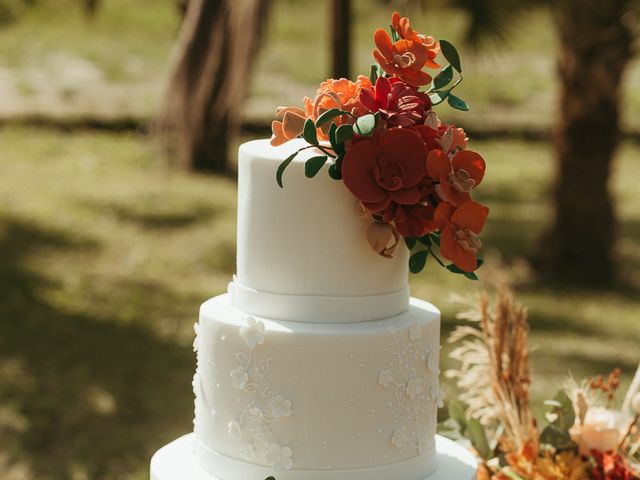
{"points": [[459, 230], [457, 176], [386, 168], [401, 104]]}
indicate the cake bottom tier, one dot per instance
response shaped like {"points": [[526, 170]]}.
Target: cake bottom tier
{"points": [[177, 461], [292, 398]]}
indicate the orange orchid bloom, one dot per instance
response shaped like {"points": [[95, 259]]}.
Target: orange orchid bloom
{"points": [[456, 176], [408, 56], [403, 27], [459, 230]]}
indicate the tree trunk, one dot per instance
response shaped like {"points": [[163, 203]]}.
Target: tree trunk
{"points": [[596, 46], [210, 74], [341, 38]]}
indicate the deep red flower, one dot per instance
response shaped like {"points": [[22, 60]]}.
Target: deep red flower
{"points": [[611, 466], [401, 104], [386, 168]]}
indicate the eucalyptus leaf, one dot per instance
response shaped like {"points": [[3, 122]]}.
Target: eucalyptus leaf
{"points": [[309, 133], [418, 260], [329, 115], [410, 242], [334, 172], [443, 78], [451, 54], [453, 268], [344, 133], [556, 437], [438, 97], [313, 165], [365, 125], [338, 148], [478, 438], [283, 166], [457, 103]]}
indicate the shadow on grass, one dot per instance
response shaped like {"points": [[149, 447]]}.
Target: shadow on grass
{"points": [[96, 396], [152, 216]]}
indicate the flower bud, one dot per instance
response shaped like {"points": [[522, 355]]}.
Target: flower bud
{"points": [[383, 238]]}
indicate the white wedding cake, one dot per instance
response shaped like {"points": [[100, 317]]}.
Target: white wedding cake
{"points": [[317, 364]]}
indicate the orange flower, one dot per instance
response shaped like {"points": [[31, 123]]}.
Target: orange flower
{"points": [[290, 125], [408, 56], [456, 176], [342, 93], [403, 27], [459, 230]]}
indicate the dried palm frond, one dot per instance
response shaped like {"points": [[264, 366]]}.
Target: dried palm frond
{"points": [[494, 375]]}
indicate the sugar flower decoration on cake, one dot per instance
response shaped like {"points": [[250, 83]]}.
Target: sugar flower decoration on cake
{"points": [[280, 407], [411, 173], [253, 332], [279, 458]]}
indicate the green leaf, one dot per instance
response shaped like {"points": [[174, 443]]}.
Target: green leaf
{"points": [[334, 172], [450, 429], [457, 103], [365, 125], [471, 275], [394, 35], [478, 438], [283, 166], [480, 262], [453, 268], [451, 54], [338, 148], [438, 97], [309, 133], [375, 73], [344, 132], [457, 413], [418, 260], [329, 115], [410, 241], [565, 413], [425, 240], [435, 238], [556, 437], [443, 78], [313, 165]]}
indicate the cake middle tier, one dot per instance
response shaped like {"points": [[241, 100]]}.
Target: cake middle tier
{"points": [[303, 249], [352, 400]]}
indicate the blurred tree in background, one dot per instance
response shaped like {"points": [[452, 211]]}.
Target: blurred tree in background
{"points": [[595, 48], [212, 59]]}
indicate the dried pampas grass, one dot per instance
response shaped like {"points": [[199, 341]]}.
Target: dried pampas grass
{"points": [[494, 375]]}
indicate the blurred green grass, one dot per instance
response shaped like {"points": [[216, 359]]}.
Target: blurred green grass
{"points": [[107, 252], [55, 62]]}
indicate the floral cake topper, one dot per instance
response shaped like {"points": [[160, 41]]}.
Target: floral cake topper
{"points": [[411, 173]]}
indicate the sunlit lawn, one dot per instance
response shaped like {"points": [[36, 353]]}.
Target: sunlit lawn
{"points": [[106, 254]]}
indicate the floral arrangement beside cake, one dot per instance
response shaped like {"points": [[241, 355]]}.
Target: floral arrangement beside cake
{"points": [[585, 437], [412, 173]]}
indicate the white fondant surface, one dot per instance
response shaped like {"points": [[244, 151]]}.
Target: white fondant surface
{"points": [[306, 238], [177, 461], [322, 396]]}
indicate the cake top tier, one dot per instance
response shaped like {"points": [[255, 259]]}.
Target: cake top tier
{"points": [[303, 253]]}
